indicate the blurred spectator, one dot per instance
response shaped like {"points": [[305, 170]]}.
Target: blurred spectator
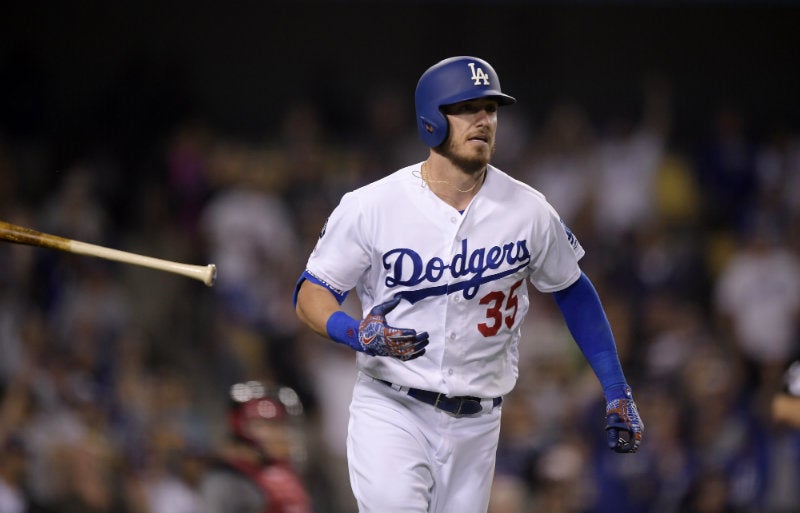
{"points": [[730, 449], [709, 493], [561, 161], [88, 467], [757, 298], [510, 494], [778, 175], [672, 330], [250, 238], [175, 488], [629, 153], [678, 198], [561, 484], [248, 230], [386, 137], [13, 497], [784, 409], [74, 210], [785, 405], [257, 469], [187, 160], [726, 170]]}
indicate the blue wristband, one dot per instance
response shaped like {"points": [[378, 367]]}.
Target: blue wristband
{"points": [[343, 329]]}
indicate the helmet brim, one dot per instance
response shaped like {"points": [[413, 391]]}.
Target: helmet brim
{"points": [[501, 98]]}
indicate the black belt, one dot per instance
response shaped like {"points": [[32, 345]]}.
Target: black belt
{"points": [[462, 405]]}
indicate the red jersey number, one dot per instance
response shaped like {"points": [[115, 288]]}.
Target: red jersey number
{"points": [[495, 312]]}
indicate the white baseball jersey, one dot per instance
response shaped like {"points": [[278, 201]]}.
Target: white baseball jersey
{"points": [[462, 275]]}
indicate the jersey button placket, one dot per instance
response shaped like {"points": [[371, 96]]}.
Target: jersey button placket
{"points": [[453, 308]]}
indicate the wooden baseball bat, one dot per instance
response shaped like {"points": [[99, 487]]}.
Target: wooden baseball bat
{"points": [[21, 235]]}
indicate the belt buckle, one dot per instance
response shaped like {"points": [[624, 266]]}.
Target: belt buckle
{"points": [[442, 399], [439, 397]]}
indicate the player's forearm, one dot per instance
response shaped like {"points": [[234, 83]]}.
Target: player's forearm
{"points": [[587, 322], [315, 305], [319, 308]]}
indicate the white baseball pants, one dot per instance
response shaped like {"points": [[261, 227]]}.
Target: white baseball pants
{"points": [[406, 456]]}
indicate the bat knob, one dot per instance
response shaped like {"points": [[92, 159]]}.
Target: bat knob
{"points": [[211, 275]]}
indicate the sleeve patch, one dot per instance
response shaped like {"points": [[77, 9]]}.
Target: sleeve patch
{"points": [[573, 241]]}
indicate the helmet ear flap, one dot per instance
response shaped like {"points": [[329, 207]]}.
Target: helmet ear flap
{"points": [[433, 131]]}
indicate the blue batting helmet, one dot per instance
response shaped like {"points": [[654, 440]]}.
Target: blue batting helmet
{"points": [[451, 81]]}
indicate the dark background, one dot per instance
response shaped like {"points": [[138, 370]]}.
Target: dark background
{"points": [[78, 70]]}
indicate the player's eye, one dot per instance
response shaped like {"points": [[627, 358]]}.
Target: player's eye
{"points": [[456, 108]]}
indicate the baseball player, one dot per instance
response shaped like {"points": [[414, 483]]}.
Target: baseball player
{"points": [[440, 254], [254, 473]]}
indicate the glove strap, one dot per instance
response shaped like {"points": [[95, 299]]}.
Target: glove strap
{"points": [[343, 329]]}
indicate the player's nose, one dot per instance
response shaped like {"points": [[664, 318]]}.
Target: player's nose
{"points": [[484, 117]]}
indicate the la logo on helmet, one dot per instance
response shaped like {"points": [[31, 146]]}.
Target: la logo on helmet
{"points": [[478, 74]]}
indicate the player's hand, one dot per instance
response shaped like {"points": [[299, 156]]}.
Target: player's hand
{"points": [[379, 339], [624, 428]]}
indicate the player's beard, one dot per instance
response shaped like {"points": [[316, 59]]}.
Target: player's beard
{"points": [[470, 164]]}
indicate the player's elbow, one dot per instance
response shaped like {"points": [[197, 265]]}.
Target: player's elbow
{"points": [[301, 302]]}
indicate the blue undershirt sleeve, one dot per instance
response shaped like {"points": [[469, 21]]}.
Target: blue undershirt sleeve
{"points": [[338, 294], [587, 322]]}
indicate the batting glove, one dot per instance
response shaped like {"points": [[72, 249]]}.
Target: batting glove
{"points": [[379, 339], [624, 428]]}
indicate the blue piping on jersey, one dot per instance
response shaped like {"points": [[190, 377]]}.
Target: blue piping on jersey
{"points": [[338, 294]]}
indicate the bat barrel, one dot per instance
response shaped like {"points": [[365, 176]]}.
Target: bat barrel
{"points": [[22, 235]]}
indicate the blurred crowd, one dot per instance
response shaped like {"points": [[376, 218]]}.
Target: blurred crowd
{"points": [[114, 378]]}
